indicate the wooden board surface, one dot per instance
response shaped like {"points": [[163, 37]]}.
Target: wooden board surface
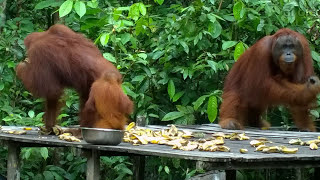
{"points": [[234, 156]]}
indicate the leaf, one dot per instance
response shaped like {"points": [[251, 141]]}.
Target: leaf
{"points": [[185, 74], [31, 114], [212, 108], [65, 8], [237, 10], [160, 168], [215, 29], [27, 153], [48, 175], [143, 56], [172, 115], [314, 113], [44, 152], [142, 9], [80, 8], [104, 39], [109, 57], [160, 2], [157, 54], [134, 11], [40, 115], [177, 96], [185, 46], [93, 4], [47, 3], [57, 176], [199, 102], [238, 51], [211, 17], [314, 55], [167, 170], [228, 44], [171, 89], [125, 38], [213, 65], [138, 78], [212, 2], [116, 14], [62, 116]]}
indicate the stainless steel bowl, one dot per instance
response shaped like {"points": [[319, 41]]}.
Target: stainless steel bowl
{"points": [[102, 136]]}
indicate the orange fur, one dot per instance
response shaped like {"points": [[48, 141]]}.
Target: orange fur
{"points": [[61, 58], [110, 106], [257, 81]]}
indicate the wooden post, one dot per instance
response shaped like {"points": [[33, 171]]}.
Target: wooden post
{"points": [[298, 173], [93, 164], [213, 174], [138, 167], [231, 174], [13, 161], [316, 173], [268, 174], [139, 161]]}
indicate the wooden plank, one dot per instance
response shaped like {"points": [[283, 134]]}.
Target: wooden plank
{"points": [[13, 165], [93, 164], [304, 154], [262, 165], [160, 150]]}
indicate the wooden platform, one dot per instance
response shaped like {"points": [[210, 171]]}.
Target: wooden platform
{"points": [[217, 160]]}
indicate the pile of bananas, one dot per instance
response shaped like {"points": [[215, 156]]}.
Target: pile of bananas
{"points": [[313, 144], [260, 145], [179, 139], [68, 137]]}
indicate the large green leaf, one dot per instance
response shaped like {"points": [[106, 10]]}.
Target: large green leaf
{"points": [[237, 8], [31, 114], [48, 175], [65, 8], [104, 39], [215, 29], [228, 44], [125, 38], [213, 65], [109, 57], [212, 108], [172, 116], [159, 1], [44, 152], [134, 11], [185, 46], [238, 51], [315, 56], [80, 8], [48, 3], [177, 96], [171, 89], [199, 102], [142, 9]]}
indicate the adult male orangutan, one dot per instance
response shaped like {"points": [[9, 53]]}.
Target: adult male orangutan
{"points": [[276, 70]]}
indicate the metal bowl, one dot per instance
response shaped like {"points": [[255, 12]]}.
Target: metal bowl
{"points": [[102, 136]]}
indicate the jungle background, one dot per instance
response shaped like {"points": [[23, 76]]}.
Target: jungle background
{"points": [[173, 54]]}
